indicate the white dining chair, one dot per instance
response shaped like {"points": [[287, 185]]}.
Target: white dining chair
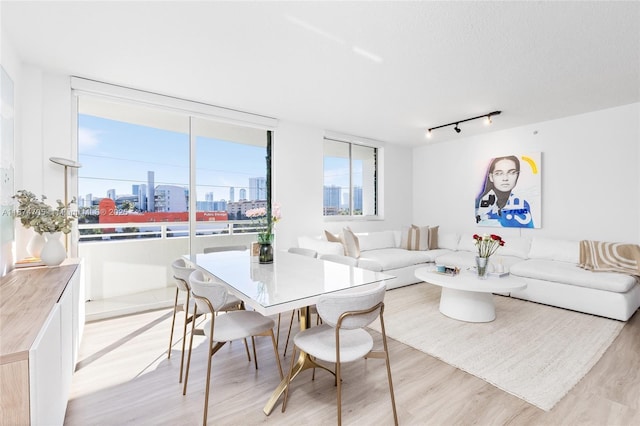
{"points": [[220, 329], [343, 338], [181, 272]]}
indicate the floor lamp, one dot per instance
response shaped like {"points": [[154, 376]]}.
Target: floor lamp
{"points": [[66, 163]]}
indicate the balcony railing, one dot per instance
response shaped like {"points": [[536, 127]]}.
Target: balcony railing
{"points": [[133, 259]]}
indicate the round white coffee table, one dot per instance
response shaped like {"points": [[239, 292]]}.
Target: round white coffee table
{"points": [[466, 298]]}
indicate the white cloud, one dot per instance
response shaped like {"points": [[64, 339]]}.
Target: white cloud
{"points": [[87, 138]]}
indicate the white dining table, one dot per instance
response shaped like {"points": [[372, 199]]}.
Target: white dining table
{"points": [[291, 282]]}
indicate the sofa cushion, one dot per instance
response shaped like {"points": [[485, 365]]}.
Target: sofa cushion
{"points": [[515, 246], [569, 273], [351, 243], [376, 240], [561, 250], [448, 241], [433, 237], [467, 243], [420, 237], [406, 235], [392, 258], [320, 246]]}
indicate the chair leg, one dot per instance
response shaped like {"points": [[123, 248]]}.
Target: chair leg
{"points": [[206, 389], [339, 386], [173, 323], [278, 330], [186, 374], [293, 314], [386, 360], [184, 335], [286, 389], [246, 348], [255, 355]]}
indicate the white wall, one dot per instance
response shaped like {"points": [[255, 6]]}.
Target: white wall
{"points": [[590, 176]]}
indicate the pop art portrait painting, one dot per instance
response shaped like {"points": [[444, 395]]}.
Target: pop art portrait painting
{"points": [[510, 195]]}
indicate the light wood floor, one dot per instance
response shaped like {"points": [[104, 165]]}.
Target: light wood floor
{"points": [[123, 377]]}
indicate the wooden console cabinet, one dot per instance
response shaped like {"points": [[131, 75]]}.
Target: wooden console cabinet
{"points": [[41, 322]]}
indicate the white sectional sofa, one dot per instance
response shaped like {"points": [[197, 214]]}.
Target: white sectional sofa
{"points": [[549, 267]]}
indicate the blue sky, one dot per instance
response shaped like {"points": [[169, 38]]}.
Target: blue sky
{"points": [[117, 155]]}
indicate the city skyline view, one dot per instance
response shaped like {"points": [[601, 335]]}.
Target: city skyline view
{"points": [[117, 155]]}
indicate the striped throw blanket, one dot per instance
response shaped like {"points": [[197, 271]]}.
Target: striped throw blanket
{"points": [[610, 257]]}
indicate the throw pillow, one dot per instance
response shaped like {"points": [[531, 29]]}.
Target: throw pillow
{"points": [[433, 237], [332, 237], [351, 244], [406, 237], [420, 237]]}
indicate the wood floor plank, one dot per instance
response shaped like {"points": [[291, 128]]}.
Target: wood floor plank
{"points": [[124, 378]]}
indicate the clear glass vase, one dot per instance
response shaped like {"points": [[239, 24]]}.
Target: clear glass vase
{"points": [[482, 267]]}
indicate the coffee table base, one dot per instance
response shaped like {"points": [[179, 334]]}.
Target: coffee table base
{"points": [[469, 306]]}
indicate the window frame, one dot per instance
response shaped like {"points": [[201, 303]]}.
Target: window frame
{"points": [[378, 177]]}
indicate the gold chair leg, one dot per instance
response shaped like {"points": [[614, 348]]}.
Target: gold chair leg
{"points": [[386, 359], [173, 323], [339, 386], [255, 355], [278, 330], [186, 374], [184, 335], [246, 347]]}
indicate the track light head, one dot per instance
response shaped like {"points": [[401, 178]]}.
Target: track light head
{"points": [[488, 120], [457, 129]]}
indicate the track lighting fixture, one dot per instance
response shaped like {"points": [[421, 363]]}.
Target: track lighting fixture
{"points": [[487, 121]]}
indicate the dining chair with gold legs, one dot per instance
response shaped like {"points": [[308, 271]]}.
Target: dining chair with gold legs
{"points": [[181, 274], [220, 329], [343, 338]]}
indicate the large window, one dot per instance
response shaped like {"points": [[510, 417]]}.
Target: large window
{"points": [[137, 169], [350, 179]]}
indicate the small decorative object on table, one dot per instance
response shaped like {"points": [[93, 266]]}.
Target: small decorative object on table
{"points": [[487, 245], [44, 219], [447, 270], [265, 238]]}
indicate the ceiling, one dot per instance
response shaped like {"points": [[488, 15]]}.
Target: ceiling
{"points": [[381, 70]]}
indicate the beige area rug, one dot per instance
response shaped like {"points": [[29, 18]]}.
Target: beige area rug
{"points": [[535, 352]]}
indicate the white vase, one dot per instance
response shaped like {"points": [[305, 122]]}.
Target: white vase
{"points": [[35, 245], [53, 252]]}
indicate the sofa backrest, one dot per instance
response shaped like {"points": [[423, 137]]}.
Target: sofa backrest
{"points": [[376, 240], [320, 246], [560, 250]]}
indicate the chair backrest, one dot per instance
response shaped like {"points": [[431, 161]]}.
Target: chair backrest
{"points": [[181, 273], [331, 306], [224, 248], [303, 251], [338, 258], [202, 286]]}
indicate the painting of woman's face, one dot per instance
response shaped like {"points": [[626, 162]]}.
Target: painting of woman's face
{"points": [[510, 194], [504, 175]]}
